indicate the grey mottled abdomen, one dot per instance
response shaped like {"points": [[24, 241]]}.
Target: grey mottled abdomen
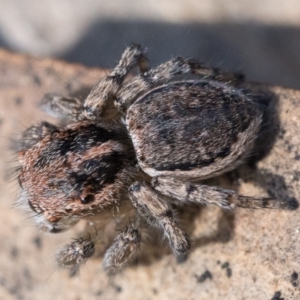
{"points": [[193, 129]]}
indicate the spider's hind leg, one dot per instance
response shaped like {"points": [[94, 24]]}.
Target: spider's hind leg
{"points": [[186, 192]]}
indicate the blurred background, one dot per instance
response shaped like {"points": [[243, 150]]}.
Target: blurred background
{"points": [[259, 38]]}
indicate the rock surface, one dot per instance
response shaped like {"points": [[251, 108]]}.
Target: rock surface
{"points": [[245, 255]]}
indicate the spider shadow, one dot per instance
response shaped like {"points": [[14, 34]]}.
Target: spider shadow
{"points": [[271, 130]]}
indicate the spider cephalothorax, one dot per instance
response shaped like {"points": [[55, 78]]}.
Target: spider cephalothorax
{"points": [[139, 144], [76, 172]]}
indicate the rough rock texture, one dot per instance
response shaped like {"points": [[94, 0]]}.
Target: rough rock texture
{"points": [[246, 255]]}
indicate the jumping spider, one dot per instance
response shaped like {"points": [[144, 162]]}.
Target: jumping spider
{"points": [[139, 145]]}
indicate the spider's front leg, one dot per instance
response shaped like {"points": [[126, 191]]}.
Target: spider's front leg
{"points": [[100, 101], [34, 134], [155, 210], [75, 254], [123, 248], [125, 245], [186, 192], [166, 72], [62, 107]]}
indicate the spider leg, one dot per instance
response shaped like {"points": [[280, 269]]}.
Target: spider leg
{"points": [[186, 192], [165, 72], [34, 134], [62, 107], [75, 254], [150, 205], [100, 102], [123, 248]]}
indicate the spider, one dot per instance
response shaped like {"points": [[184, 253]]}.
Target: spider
{"points": [[139, 145]]}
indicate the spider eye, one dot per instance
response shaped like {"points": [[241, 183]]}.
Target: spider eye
{"points": [[87, 199]]}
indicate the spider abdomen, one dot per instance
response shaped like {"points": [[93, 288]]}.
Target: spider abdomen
{"points": [[193, 129]]}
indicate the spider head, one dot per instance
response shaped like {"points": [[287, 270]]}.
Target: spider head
{"points": [[74, 173]]}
